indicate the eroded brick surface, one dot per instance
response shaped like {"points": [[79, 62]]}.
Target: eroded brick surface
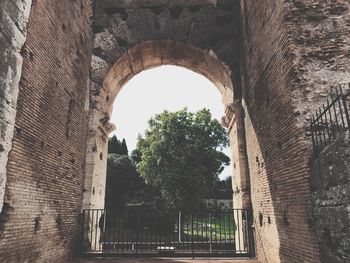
{"points": [[45, 168], [275, 142]]}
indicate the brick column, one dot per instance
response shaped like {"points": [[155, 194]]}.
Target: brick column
{"points": [[234, 122], [96, 171]]}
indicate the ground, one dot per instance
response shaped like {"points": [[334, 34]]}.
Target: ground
{"points": [[167, 260]]}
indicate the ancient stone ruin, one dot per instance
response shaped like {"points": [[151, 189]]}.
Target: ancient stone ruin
{"points": [[62, 63]]}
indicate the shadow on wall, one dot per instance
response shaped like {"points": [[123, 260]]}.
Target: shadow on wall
{"points": [[279, 185]]}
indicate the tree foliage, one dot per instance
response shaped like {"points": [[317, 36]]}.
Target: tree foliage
{"points": [[181, 155], [122, 181], [117, 147]]}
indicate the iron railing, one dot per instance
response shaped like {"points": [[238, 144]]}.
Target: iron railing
{"points": [[330, 120], [166, 232]]}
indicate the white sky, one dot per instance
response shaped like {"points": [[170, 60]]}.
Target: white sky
{"points": [[163, 88]]}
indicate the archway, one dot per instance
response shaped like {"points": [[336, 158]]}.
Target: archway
{"points": [[141, 57], [145, 56]]}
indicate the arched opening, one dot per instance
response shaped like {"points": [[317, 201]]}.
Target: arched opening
{"points": [[152, 91], [141, 57]]}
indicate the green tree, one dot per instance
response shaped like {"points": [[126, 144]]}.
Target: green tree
{"points": [[122, 181], [181, 156], [123, 148], [116, 146]]}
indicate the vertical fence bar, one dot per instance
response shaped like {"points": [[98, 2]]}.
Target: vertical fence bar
{"points": [[343, 98], [335, 113], [314, 132], [323, 128], [340, 107], [192, 235], [326, 119], [211, 234], [319, 128], [238, 230], [82, 234], [330, 119], [247, 231]]}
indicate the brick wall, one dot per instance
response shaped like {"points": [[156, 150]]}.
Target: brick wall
{"points": [[276, 146], [45, 169]]}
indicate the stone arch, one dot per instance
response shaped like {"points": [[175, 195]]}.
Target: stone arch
{"points": [[138, 58]]}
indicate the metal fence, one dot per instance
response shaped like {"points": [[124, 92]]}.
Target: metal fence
{"points": [[330, 120], [166, 232]]}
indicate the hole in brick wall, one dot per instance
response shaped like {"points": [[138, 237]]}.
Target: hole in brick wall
{"points": [[101, 156], [18, 131], [157, 10], [94, 148], [26, 53], [175, 12], [58, 220], [262, 165], [194, 8], [234, 165], [257, 159], [72, 161], [37, 221], [269, 220], [93, 191], [107, 98], [59, 153], [279, 145], [285, 218], [2, 149], [260, 219], [64, 27]]}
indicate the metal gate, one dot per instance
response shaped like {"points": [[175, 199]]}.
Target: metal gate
{"points": [[136, 231]]}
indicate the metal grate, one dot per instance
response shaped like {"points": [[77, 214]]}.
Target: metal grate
{"points": [[330, 120], [170, 232]]}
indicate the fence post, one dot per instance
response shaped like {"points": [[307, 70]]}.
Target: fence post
{"points": [[192, 235], [211, 235], [343, 97], [180, 228]]}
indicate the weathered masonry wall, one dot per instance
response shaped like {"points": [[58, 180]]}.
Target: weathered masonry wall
{"points": [[330, 183], [45, 169], [13, 29], [321, 40], [279, 171]]}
